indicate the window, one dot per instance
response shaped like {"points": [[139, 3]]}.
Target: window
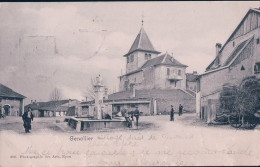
{"points": [[168, 71], [257, 68], [126, 85], [242, 68], [132, 58], [147, 56], [179, 72], [173, 83], [233, 43], [127, 59], [257, 41], [118, 108]]}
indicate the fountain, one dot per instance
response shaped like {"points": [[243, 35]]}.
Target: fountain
{"points": [[97, 121]]}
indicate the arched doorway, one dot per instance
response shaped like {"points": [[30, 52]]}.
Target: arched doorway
{"points": [[7, 109]]}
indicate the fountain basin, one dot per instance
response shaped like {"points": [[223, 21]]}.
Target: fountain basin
{"points": [[84, 124]]}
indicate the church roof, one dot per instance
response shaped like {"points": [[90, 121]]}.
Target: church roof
{"points": [[142, 42], [164, 59], [7, 92]]}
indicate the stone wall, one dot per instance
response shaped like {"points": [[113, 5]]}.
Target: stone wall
{"points": [[14, 104]]}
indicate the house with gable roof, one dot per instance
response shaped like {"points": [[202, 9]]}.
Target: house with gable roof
{"points": [[11, 102], [238, 59]]}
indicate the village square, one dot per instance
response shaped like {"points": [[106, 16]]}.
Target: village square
{"points": [[159, 113]]}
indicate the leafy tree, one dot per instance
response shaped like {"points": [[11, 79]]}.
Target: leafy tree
{"points": [[243, 99], [248, 96]]}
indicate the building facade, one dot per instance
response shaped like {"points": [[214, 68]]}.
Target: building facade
{"points": [[55, 108], [237, 59], [11, 102]]}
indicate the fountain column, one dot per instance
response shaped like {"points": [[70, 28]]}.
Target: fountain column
{"points": [[99, 95]]}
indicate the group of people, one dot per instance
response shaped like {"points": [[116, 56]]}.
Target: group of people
{"points": [[172, 112], [129, 117]]}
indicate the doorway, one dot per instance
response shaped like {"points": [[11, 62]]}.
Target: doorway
{"points": [[7, 109], [202, 113], [41, 113]]}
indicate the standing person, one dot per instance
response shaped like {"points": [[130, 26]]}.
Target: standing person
{"points": [[136, 114], [27, 118], [132, 119], [180, 110], [129, 122], [172, 113]]}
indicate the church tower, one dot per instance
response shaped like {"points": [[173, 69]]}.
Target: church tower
{"points": [[141, 51]]}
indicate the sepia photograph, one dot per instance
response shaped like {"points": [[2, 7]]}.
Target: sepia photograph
{"points": [[136, 83]]}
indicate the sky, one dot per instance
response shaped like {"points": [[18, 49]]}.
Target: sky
{"points": [[47, 45]]}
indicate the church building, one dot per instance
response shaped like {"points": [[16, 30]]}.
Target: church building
{"points": [[146, 69]]}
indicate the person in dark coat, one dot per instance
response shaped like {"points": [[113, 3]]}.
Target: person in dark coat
{"points": [[128, 120], [136, 114], [27, 118], [172, 113], [180, 110]]}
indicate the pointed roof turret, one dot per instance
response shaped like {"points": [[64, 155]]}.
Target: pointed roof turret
{"points": [[142, 43]]}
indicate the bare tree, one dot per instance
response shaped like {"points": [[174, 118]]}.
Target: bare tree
{"points": [[56, 94], [90, 91]]}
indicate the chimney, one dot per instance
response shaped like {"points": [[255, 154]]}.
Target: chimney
{"points": [[132, 89], [218, 47]]}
